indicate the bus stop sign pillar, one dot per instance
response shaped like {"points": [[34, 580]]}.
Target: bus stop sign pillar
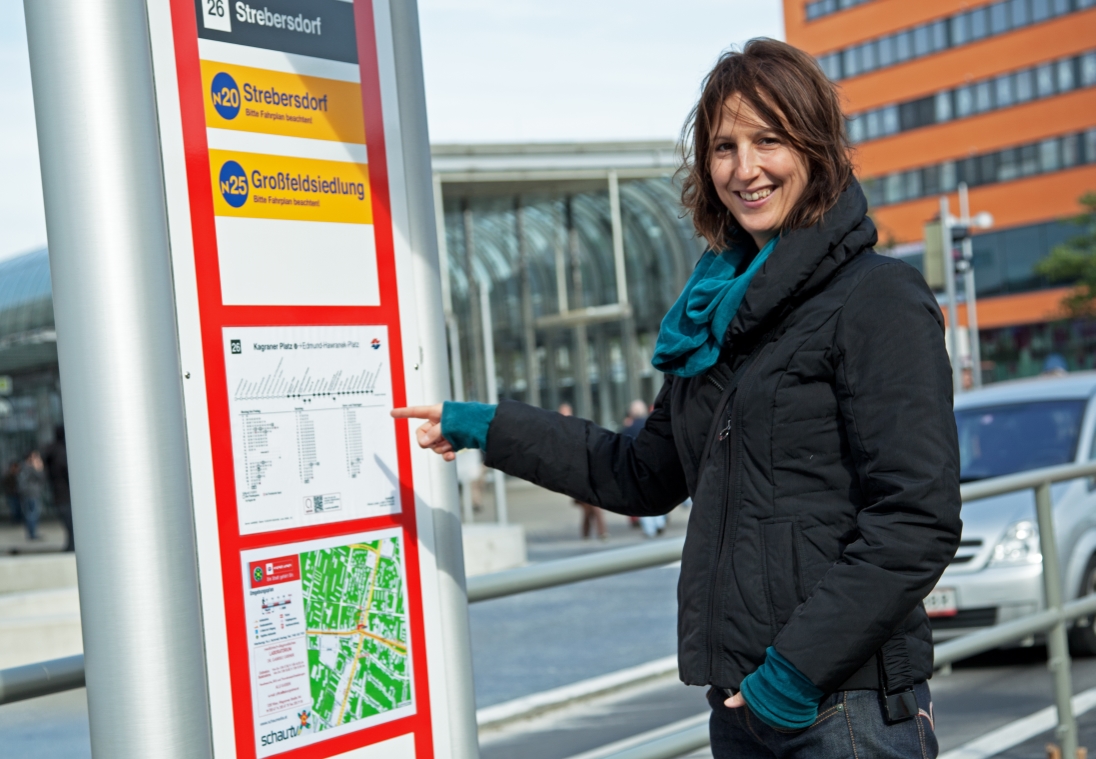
{"points": [[120, 375], [268, 565]]}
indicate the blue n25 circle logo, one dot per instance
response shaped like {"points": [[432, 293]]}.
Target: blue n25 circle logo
{"points": [[233, 182], [225, 95]]}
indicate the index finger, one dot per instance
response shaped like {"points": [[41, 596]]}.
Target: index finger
{"points": [[416, 412]]}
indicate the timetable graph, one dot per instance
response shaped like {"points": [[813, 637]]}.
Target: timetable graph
{"points": [[281, 383]]}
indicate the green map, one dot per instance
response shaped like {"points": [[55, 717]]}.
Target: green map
{"points": [[356, 616]]}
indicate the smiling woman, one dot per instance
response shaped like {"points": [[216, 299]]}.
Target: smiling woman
{"points": [[807, 412]]}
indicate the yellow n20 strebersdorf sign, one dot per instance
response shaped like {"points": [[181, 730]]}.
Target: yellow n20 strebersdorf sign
{"points": [[273, 102], [257, 186]]}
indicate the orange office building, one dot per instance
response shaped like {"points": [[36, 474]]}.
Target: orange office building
{"points": [[999, 95]]}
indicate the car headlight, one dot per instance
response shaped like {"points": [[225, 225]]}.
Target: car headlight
{"points": [[1020, 545]]}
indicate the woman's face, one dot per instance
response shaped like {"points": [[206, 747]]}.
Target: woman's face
{"points": [[758, 176]]}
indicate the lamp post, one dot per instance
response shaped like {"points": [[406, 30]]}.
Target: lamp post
{"points": [[961, 233], [954, 230]]}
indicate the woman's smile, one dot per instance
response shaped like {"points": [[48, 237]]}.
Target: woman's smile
{"points": [[755, 198]]}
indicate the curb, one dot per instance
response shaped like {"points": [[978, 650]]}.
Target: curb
{"points": [[527, 706]]}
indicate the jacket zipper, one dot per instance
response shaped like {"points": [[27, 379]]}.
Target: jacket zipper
{"points": [[714, 576]]}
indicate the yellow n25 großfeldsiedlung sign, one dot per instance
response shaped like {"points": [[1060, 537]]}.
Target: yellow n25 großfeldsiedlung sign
{"points": [[258, 186]]}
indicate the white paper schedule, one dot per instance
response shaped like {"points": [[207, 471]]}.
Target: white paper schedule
{"points": [[312, 439]]}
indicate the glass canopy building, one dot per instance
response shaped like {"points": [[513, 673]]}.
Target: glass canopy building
{"points": [[30, 390], [563, 258]]}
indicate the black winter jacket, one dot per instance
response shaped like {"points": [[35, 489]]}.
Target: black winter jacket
{"points": [[825, 490]]}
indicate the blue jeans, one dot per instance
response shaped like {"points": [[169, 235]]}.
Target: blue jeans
{"points": [[849, 726], [32, 510]]}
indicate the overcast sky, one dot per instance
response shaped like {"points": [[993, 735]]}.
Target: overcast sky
{"points": [[496, 71]]}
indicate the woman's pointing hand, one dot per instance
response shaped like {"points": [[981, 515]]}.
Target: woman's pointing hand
{"points": [[429, 434]]}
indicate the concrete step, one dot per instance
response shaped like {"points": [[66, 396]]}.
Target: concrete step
{"points": [[19, 574], [39, 625], [492, 547]]}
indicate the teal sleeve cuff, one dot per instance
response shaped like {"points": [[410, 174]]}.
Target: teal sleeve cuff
{"points": [[780, 695], [465, 425]]}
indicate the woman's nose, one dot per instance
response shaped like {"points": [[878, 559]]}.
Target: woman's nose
{"points": [[746, 167]]}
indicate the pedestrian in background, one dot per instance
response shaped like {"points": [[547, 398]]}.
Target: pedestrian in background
{"points": [[593, 521], [638, 411], [55, 457], [807, 409], [32, 487], [10, 485]]}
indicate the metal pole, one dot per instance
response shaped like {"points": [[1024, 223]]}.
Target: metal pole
{"points": [[969, 291], [474, 307], [580, 362], [1057, 645], [949, 284], [628, 324], [618, 238], [528, 325], [449, 553], [492, 389], [118, 349], [452, 327]]}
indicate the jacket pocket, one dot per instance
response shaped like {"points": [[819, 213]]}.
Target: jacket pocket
{"points": [[783, 588]]}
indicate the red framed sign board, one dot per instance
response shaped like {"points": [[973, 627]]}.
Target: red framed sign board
{"points": [[315, 573]]}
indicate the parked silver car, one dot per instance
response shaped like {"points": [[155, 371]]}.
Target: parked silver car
{"points": [[996, 574]]}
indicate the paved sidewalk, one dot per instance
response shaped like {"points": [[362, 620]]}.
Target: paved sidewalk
{"points": [[13, 538], [553, 523]]}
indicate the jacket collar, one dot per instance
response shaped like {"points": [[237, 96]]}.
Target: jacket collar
{"points": [[803, 261]]}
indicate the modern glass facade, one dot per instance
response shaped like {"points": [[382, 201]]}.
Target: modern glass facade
{"points": [[30, 389], [545, 252]]}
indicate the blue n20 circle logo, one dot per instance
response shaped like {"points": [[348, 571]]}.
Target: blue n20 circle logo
{"points": [[225, 95], [233, 182]]}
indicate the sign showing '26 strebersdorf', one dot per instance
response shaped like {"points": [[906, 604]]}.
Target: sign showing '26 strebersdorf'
{"points": [[312, 591]]}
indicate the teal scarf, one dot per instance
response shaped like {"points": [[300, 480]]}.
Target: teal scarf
{"points": [[692, 332]]}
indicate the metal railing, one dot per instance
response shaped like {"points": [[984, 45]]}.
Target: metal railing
{"points": [[57, 675]]}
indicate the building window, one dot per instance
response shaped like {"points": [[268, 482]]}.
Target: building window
{"points": [[983, 97], [1041, 157], [1002, 91], [926, 39], [943, 106], [822, 8], [964, 102], [1065, 75], [1048, 155], [1088, 69], [1025, 86]]}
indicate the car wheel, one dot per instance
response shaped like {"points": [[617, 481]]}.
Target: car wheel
{"points": [[1082, 637]]}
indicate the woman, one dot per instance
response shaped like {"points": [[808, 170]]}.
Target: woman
{"points": [[806, 410]]}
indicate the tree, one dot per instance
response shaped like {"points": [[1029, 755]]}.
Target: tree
{"points": [[1074, 261]]}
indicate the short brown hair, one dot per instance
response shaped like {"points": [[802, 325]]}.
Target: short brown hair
{"points": [[788, 90]]}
